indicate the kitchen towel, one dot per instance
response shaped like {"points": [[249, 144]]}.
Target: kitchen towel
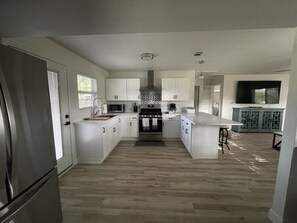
{"points": [[155, 124], [146, 124]]}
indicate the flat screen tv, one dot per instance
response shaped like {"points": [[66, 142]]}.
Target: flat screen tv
{"points": [[258, 92]]}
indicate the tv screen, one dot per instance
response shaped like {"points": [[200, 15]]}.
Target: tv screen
{"points": [[258, 92]]}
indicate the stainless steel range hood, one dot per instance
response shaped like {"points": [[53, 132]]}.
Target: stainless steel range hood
{"points": [[150, 83]]}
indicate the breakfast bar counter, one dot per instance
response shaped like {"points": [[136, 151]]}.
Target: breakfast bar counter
{"points": [[200, 133]]}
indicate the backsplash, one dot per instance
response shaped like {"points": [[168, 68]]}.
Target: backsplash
{"points": [[129, 105], [150, 97]]}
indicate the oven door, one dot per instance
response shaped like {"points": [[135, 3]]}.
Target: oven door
{"points": [[150, 128]]}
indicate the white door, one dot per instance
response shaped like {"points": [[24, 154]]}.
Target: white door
{"points": [[57, 78]]}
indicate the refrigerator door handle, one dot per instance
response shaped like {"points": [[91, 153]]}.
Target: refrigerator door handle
{"points": [[3, 157], [10, 137]]}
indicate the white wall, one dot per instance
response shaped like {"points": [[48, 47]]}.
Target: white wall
{"points": [[230, 87], [47, 49], [158, 79]]}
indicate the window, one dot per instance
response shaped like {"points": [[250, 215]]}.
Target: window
{"points": [[87, 91]]}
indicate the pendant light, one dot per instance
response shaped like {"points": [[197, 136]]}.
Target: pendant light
{"points": [[201, 75]]}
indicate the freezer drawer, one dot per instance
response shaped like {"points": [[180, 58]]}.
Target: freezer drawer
{"points": [[41, 203]]}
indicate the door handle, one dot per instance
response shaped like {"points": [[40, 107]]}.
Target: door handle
{"points": [[67, 123]]}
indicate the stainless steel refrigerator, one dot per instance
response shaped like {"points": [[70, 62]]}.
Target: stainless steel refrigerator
{"points": [[29, 190]]}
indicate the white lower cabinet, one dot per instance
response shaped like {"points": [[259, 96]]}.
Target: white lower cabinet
{"points": [[129, 126], [201, 141], [113, 137], [171, 126], [186, 133], [134, 131], [95, 141], [91, 142]]}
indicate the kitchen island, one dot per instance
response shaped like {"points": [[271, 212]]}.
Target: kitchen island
{"points": [[200, 133]]}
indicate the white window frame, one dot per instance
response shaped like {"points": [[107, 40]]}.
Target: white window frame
{"points": [[93, 91]]}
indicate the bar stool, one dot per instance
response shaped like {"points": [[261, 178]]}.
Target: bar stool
{"points": [[223, 137]]}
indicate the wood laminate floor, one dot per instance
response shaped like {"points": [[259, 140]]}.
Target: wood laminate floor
{"points": [[164, 184]]}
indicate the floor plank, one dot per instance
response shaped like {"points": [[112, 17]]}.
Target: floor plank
{"points": [[164, 184]]}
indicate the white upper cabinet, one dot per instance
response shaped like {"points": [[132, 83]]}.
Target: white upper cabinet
{"points": [[116, 89], [175, 89], [122, 89], [133, 86]]}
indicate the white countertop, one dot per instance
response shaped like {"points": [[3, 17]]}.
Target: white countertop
{"points": [[202, 118], [103, 122]]}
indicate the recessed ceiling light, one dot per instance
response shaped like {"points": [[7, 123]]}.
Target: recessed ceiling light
{"points": [[197, 54], [147, 56]]}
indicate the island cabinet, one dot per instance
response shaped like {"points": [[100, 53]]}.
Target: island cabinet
{"points": [[171, 126], [175, 89], [200, 134], [258, 119], [186, 133], [122, 89]]}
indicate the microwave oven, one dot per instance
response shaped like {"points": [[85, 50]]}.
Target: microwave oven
{"points": [[116, 108]]}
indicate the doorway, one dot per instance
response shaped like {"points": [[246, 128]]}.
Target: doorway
{"points": [[196, 98], [216, 100], [58, 87]]}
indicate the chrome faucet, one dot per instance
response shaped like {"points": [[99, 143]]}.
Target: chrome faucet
{"points": [[94, 107]]}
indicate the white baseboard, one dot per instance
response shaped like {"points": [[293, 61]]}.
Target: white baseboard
{"points": [[274, 217]]}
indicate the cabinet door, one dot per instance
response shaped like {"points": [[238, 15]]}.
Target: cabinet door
{"points": [[182, 88], [277, 119], [244, 118], [266, 120], [255, 120], [110, 139], [188, 136], [125, 126], [169, 89], [134, 126], [115, 89], [171, 129], [109, 89], [116, 135], [182, 130], [105, 142], [133, 86]]}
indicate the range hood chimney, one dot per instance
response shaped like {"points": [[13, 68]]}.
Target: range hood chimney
{"points": [[150, 82]]}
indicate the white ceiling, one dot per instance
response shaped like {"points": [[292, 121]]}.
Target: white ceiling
{"points": [[237, 36], [240, 51]]}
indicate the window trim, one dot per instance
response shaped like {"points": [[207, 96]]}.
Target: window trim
{"points": [[94, 93]]}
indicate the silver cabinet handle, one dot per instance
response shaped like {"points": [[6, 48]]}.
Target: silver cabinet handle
{"points": [[119, 119], [114, 129], [130, 123], [170, 118], [103, 129]]}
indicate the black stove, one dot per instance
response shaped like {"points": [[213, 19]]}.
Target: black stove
{"points": [[150, 123]]}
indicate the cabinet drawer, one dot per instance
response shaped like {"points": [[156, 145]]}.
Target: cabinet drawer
{"points": [[133, 117], [171, 117]]}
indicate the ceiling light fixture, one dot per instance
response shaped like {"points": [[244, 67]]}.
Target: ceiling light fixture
{"points": [[147, 56], [201, 75]]}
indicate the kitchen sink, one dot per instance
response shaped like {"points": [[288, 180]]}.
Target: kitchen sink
{"points": [[101, 117]]}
